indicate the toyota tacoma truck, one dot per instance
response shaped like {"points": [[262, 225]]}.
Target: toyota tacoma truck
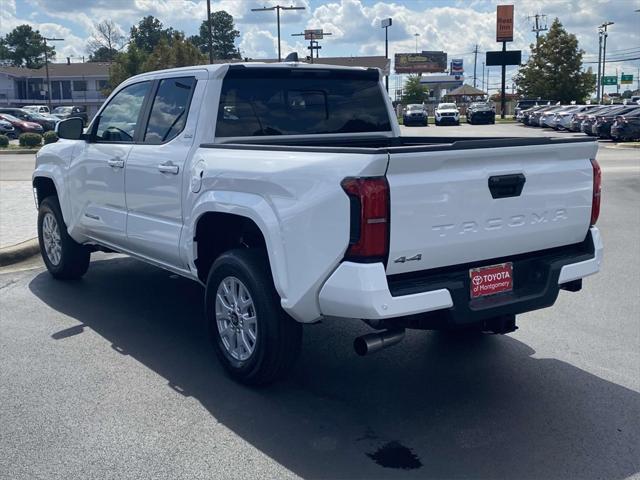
{"points": [[289, 192]]}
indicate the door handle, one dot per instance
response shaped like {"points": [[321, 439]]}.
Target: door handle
{"points": [[116, 162], [169, 167]]}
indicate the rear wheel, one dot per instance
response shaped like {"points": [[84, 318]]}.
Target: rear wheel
{"points": [[63, 256], [255, 340]]}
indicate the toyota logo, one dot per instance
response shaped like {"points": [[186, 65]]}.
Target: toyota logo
{"points": [[477, 280]]}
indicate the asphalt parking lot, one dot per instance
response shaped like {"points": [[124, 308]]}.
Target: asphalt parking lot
{"points": [[112, 377]]}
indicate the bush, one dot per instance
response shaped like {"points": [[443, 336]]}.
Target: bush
{"points": [[30, 139], [4, 141], [50, 137]]}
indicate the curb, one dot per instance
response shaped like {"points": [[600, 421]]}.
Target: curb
{"points": [[21, 251], [18, 152]]}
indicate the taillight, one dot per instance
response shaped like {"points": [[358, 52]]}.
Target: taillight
{"points": [[369, 235], [597, 190]]}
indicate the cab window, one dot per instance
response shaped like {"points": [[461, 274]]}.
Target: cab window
{"points": [[120, 118], [169, 110]]}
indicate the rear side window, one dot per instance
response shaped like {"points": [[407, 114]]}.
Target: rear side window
{"points": [[169, 109], [298, 101]]}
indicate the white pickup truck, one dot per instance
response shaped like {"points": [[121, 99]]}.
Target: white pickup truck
{"points": [[289, 192]]}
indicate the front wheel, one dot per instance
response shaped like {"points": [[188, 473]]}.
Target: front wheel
{"points": [[255, 340], [64, 258]]}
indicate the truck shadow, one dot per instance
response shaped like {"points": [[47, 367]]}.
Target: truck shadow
{"points": [[433, 406]]}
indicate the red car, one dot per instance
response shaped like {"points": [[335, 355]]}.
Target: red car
{"points": [[22, 126]]}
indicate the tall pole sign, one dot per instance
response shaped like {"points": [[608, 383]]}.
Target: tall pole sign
{"points": [[504, 34], [386, 23]]}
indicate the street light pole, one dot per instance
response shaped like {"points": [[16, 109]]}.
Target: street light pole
{"points": [[386, 23], [46, 67], [277, 8], [599, 65], [604, 49], [416, 35]]}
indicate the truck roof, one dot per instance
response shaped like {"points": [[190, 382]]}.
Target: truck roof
{"points": [[217, 69]]}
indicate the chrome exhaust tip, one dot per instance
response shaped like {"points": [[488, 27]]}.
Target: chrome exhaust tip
{"points": [[374, 342]]}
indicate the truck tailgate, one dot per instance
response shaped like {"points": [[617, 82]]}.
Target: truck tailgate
{"points": [[443, 211]]}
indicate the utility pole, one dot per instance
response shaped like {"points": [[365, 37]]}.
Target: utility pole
{"points": [[475, 61], [386, 23], [210, 34], [482, 76], [46, 67], [604, 49], [599, 64], [539, 25], [277, 8]]}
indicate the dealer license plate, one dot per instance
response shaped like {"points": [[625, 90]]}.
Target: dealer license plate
{"points": [[491, 280]]}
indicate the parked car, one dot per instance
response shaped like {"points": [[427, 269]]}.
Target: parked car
{"points": [[590, 120], [71, 112], [22, 126], [527, 104], [7, 129], [308, 203], [36, 108], [541, 116], [562, 120], [626, 127], [603, 123], [416, 115], [578, 118], [447, 113], [47, 123], [481, 112], [526, 114]]}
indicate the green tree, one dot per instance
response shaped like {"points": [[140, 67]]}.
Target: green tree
{"points": [[103, 54], [414, 91], [176, 52], [554, 70], [24, 47], [5, 54], [180, 53], [224, 36], [148, 33], [126, 64]]}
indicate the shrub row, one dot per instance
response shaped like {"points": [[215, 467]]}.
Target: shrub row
{"points": [[4, 141]]}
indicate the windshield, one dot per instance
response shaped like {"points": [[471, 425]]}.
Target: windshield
{"points": [[443, 106], [62, 110], [480, 105], [415, 107], [260, 101]]}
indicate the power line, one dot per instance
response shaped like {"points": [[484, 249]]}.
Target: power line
{"points": [[618, 61]]}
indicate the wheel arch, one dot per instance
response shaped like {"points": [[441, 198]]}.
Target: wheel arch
{"points": [[247, 216]]}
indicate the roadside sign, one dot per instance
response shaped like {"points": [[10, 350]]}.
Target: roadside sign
{"points": [[510, 57], [609, 80], [504, 23], [315, 34], [626, 79], [425, 62], [386, 23]]}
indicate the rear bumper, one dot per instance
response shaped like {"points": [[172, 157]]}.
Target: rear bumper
{"points": [[364, 291]]}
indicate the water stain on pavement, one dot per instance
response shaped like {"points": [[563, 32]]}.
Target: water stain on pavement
{"points": [[395, 455]]}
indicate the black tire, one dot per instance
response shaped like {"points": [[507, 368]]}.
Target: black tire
{"points": [[74, 258], [278, 337]]}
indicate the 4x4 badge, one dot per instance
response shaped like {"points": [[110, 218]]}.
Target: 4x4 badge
{"points": [[410, 259]]}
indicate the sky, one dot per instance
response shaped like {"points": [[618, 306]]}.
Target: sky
{"points": [[453, 26]]}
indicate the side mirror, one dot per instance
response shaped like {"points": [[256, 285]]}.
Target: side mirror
{"points": [[71, 129]]}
